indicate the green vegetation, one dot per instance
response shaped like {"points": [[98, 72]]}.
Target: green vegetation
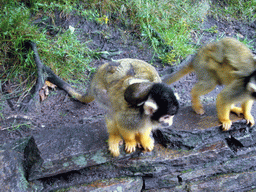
{"points": [[15, 26], [235, 9], [173, 21], [64, 53], [168, 26]]}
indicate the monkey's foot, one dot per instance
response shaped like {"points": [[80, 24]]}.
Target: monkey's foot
{"points": [[249, 119], [148, 145], [130, 146], [237, 110], [198, 109], [114, 149], [113, 145], [226, 124]]}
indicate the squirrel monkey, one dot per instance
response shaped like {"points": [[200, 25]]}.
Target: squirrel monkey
{"points": [[226, 62], [135, 99], [136, 102]]}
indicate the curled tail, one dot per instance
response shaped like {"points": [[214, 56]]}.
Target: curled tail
{"points": [[185, 69]]}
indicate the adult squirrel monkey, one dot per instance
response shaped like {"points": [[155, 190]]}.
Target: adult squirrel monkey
{"points": [[135, 99], [226, 62]]}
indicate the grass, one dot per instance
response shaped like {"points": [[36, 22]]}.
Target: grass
{"points": [[167, 25], [68, 56], [173, 21], [243, 10], [64, 53]]}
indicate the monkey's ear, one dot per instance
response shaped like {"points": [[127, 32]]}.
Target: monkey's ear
{"points": [[137, 93], [251, 87], [150, 107]]}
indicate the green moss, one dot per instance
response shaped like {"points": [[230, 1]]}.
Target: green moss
{"points": [[80, 160]]}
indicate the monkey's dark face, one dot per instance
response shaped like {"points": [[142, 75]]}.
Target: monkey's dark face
{"points": [[166, 101], [156, 100]]}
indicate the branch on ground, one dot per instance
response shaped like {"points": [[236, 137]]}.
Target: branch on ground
{"points": [[43, 73]]}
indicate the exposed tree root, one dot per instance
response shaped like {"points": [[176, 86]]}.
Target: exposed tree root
{"points": [[43, 73]]}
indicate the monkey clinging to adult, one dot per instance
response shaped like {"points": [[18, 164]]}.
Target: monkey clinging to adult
{"points": [[135, 99], [226, 62]]}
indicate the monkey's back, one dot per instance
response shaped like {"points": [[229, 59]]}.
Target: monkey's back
{"points": [[221, 59], [238, 55], [111, 80]]}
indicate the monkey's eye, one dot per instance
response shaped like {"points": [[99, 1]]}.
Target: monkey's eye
{"points": [[254, 94], [166, 117]]}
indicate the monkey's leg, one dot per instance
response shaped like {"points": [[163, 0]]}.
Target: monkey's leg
{"points": [[237, 110], [129, 139], [114, 137], [145, 140], [247, 106], [200, 88], [223, 109]]}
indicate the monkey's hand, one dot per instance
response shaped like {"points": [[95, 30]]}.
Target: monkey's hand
{"points": [[226, 124], [113, 143], [249, 119], [130, 146], [149, 145], [146, 141], [114, 150]]}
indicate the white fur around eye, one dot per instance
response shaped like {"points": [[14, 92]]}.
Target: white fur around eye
{"points": [[168, 119]]}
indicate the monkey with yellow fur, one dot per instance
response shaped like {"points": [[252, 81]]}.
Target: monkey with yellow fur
{"points": [[135, 99], [226, 62], [133, 95]]}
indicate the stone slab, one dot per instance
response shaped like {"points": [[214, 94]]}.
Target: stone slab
{"points": [[16, 158], [71, 148]]}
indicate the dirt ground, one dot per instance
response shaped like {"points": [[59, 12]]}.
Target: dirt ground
{"points": [[61, 110]]}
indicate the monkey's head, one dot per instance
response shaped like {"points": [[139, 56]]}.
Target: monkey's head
{"points": [[156, 100]]}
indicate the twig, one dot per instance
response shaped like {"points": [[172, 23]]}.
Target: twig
{"points": [[18, 117], [13, 126], [25, 94], [44, 72]]}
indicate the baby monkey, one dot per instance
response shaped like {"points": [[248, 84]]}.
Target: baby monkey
{"points": [[136, 102], [226, 62]]}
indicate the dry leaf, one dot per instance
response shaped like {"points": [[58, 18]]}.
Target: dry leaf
{"points": [[44, 92], [42, 95], [49, 84]]}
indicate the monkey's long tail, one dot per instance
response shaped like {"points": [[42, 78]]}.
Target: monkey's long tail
{"points": [[185, 69], [84, 98]]}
